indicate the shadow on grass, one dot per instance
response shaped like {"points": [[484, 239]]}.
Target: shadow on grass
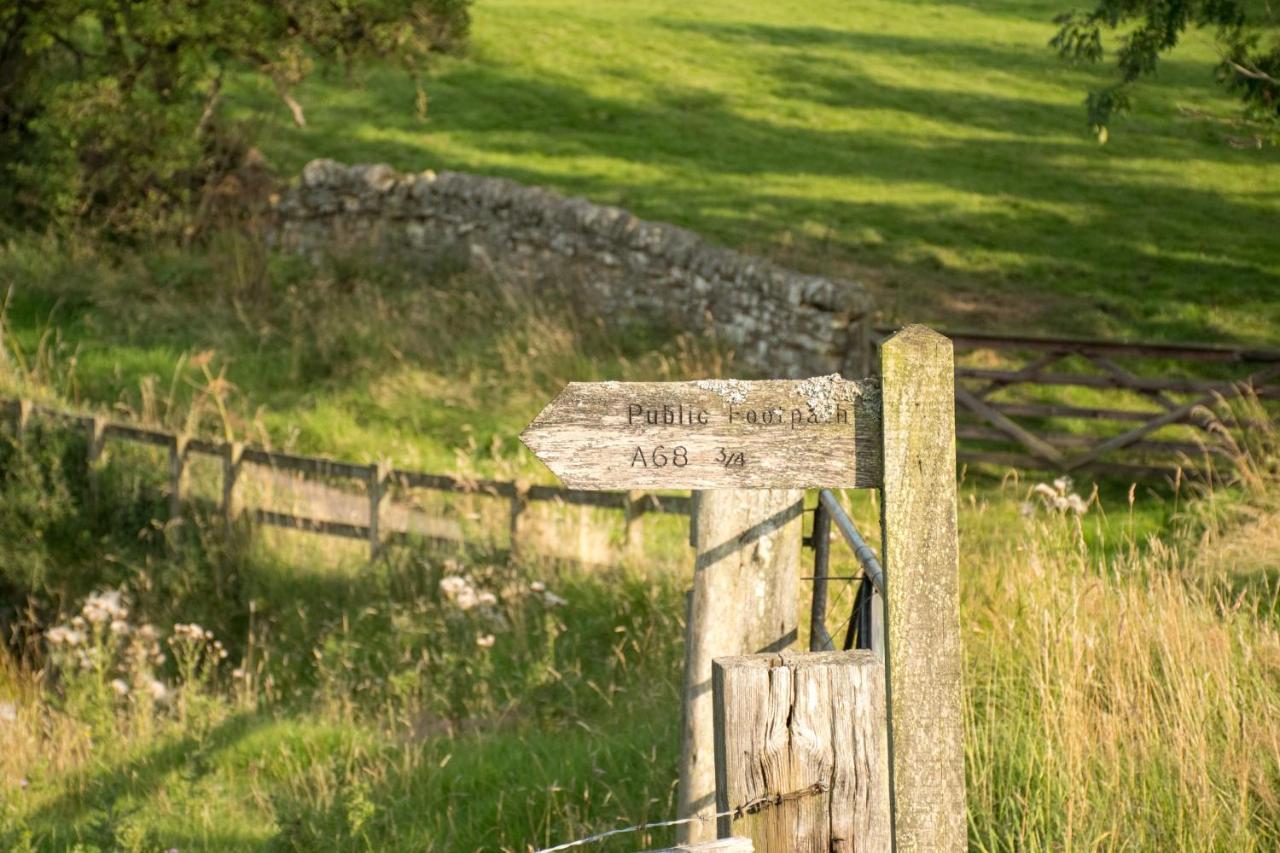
{"points": [[987, 187]]}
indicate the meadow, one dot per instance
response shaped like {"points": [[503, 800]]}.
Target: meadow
{"points": [[1122, 666]]}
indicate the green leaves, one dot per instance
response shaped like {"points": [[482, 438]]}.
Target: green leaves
{"points": [[1247, 37], [109, 109]]}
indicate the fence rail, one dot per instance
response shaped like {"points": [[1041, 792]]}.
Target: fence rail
{"points": [[376, 478], [1068, 404]]}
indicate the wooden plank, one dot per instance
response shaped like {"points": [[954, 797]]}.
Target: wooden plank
{"points": [[310, 525], [1092, 380], [1058, 410], [803, 736], [156, 437], [1076, 441], [712, 434], [1018, 433], [1031, 463], [377, 482], [304, 464], [745, 599], [921, 564], [1085, 346]]}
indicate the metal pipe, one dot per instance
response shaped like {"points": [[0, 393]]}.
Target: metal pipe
{"points": [[819, 639], [861, 549]]}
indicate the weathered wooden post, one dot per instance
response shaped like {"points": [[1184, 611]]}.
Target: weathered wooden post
{"points": [[94, 429], [723, 437], [801, 750], [921, 559], [231, 452], [744, 599], [177, 470], [377, 480]]}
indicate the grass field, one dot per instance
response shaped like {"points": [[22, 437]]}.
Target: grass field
{"points": [[1122, 669], [936, 150]]}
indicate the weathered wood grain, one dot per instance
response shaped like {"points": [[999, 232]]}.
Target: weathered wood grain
{"points": [[720, 845], [803, 737], [921, 577], [745, 599], [712, 434]]}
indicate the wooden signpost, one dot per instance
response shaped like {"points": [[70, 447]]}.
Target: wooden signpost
{"points": [[894, 432]]}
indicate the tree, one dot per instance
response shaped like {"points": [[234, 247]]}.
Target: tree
{"points": [[1246, 34], [109, 109]]}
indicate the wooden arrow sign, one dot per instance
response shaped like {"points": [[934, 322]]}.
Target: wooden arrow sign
{"points": [[712, 434]]}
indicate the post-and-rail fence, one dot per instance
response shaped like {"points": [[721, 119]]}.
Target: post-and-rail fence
{"points": [[1137, 410], [378, 480], [1011, 416]]}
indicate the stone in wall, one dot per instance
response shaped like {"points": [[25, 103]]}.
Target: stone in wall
{"points": [[779, 322]]}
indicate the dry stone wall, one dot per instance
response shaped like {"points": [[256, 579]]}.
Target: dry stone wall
{"points": [[778, 322]]}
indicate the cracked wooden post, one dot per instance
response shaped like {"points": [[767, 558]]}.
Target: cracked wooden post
{"points": [[802, 751], [747, 449], [922, 642], [633, 509], [746, 592]]}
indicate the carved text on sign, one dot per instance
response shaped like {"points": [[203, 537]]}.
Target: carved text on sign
{"points": [[717, 433]]}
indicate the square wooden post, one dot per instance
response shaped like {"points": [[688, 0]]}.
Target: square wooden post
{"points": [[801, 751], [923, 653], [745, 600]]}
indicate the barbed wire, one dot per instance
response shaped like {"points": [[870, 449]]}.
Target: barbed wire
{"points": [[744, 809]]}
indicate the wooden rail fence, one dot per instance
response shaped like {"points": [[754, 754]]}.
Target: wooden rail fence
{"points": [[1066, 404], [377, 478]]}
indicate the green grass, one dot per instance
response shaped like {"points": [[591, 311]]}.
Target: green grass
{"points": [[1123, 674], [936, 150]]}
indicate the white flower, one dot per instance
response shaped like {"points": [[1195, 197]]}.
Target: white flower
{"points": [[553, 600], [120, 686], [1062, 484], [537, 586], [487, 599], [484, 641], [147, 632], [466, 599], [158, 691], [119, 627], [451, 585], [8, 712], [239, 673], [105, 607]]}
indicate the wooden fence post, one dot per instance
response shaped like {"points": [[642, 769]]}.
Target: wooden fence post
{"points": [[94, 428], [230, 472], [377, 479], [633, 508], [518, 506], [801, 749], [745, 600], [177, 468], [923, 654]]}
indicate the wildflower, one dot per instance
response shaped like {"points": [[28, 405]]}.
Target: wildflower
{"points": [[460, 591], [158, 691], [8, 712], [485, 641], [119, 627], [147, 631], [537, 586], [553, 600], [105, 607], [239, 673], [487, 599], [120, 686]]}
